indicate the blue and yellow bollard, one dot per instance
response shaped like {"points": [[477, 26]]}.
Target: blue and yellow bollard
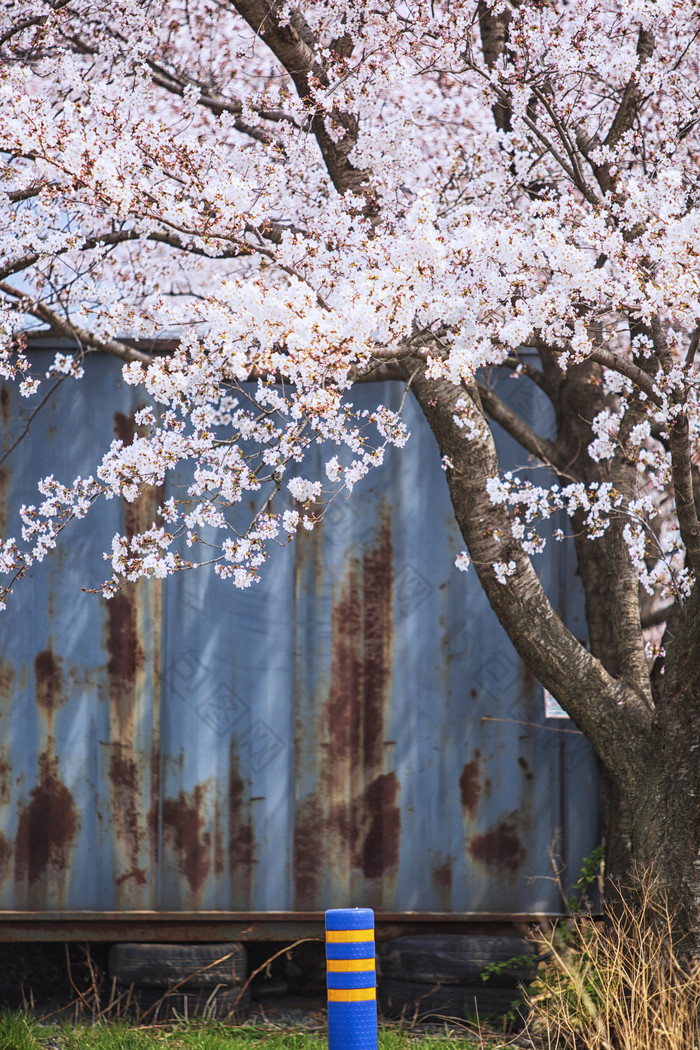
{"points": [[352, 979]]}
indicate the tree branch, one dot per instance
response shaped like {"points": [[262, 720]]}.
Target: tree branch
{"points": [[268, 230], [681, 464], [681, 469], [15, 196], [577, 179], [36, 20], [564, 138], [293, 45], [541, 448], [693, 346], [623, 120], [493, 30], [212, 100], [176, 84], [516, 365], [30, 418], [74, 331], [626, 368], [615, 363], [632, 97]]}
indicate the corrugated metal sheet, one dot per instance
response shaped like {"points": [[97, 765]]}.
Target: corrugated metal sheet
{"points": [[356, 729]]}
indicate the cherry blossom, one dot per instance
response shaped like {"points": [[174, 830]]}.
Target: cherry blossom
{"points": [[162, 172]]}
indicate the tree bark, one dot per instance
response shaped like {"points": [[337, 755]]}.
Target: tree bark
{"points": [[665, 800], [611, 590]]}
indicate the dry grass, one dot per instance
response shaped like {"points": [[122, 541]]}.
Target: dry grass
{"points": [[617, 985]]}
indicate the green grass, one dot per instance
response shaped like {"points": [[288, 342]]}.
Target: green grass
{"points": [[18, 1032]]}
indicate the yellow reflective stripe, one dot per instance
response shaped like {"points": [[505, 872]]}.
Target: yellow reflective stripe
{"points": [[340, 936], [351, 995], [349, 965]]}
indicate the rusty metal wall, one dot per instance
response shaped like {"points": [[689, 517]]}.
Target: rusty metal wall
{"points": [[356, 729]]}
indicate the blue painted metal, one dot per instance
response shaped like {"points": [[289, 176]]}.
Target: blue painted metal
{"points": [[356, 727], [352, 982]]}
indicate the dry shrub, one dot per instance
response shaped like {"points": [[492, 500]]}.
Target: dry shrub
{"points": [[617, 984]]}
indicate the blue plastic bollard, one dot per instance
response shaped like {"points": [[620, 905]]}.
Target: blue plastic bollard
{"points": [[352, 979]]}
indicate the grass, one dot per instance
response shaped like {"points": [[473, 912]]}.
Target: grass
{"points": [[19, 1032]]}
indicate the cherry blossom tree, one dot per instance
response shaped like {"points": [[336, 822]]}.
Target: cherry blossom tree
{"points": [[311, 195]]}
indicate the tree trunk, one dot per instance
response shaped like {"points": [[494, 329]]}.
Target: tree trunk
{"points": [[610, 587], [649, 753], [617, 832], [665, 798]]}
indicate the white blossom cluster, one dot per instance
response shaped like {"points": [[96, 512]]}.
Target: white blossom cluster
{"points": [[657, 555], [15, 365], [160, 173]]}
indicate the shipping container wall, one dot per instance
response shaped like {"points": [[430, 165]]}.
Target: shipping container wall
{"points": [[355, 729]]}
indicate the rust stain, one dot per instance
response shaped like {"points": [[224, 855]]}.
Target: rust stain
{"points": [[47, 825], [500, 848], [124, 780], [123, 771], [219, 859], [470, 785], [376, 816], [155, 787], [5, 857], [183, 824], [154, 761], [528, 681], [123, 643], [328, 746], [124, 428], [522, 762], [346, 674], [240, 836], [340, 821], [441, 878], [5, 404], [342, 732], [377, 827], [378, 643], [4, 511], [351, 820], [141, 513], [219, 852], [49, 681], [137, 874], [5, 780], [7, 677], [132, 620], [308, 851]]}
